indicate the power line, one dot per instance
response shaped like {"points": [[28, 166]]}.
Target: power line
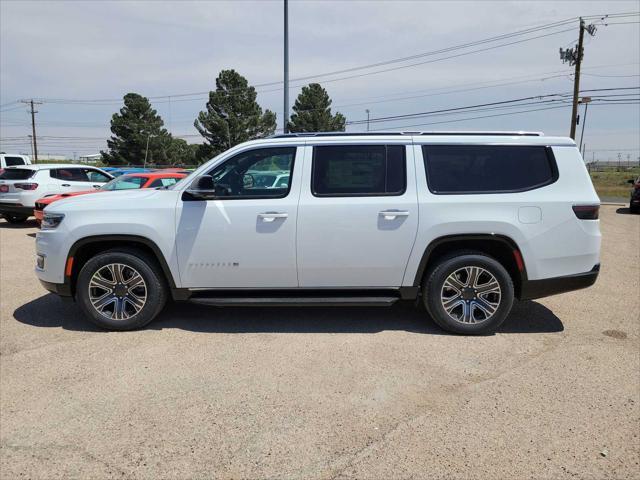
{"points": [[517, 101], [473, 118], [373, 65]]}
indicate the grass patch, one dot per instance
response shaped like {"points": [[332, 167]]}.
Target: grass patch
{"points": [[613, 183]]}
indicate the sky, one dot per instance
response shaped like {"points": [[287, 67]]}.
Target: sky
{"points": [[81, 57]]}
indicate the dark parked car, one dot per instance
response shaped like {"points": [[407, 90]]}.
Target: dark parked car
{"points": [[634, 201]]}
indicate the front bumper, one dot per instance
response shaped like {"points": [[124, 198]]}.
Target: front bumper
{"points": [[552, 286], [62, 289], [13, 209]]}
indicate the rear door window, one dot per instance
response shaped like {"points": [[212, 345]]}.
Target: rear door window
{"points": [[358, 170], [464, 169], [16, 174], [70, 174]]}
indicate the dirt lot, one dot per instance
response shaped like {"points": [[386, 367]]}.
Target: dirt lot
{"points": [[324, 393]]}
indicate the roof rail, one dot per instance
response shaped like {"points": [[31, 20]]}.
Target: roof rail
{"points": [[369, 134]]}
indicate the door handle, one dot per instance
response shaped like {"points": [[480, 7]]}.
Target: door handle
{"points": [[95, 186], [271, 216], [66, 185], [392, 214]]}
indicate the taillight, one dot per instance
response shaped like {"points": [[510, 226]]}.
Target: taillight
{"points": [[587, 212], [26, 186]]}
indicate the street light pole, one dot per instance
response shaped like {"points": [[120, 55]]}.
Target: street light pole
{"points": [[146, 151], [586, 101], [285, 119]]}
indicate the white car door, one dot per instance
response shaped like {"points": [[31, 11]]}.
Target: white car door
{"points": [[358, 221], [71, 179], [245, 238]]}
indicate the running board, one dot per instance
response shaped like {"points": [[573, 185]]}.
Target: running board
{"points": [[295, 301]]}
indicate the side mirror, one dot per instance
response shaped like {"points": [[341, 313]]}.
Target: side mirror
{"points": [[202, 188]]}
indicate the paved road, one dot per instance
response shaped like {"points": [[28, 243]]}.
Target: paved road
{"points": [[324, 393]]}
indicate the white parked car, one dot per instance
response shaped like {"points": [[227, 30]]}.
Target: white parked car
{"points": [[20, 187], [465, 222], [13, 160]]}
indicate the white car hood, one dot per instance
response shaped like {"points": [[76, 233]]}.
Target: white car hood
{"points": [[115, 200]]}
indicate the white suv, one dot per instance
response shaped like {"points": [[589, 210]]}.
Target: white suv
{"points": [[466, 222], [20, 187]]}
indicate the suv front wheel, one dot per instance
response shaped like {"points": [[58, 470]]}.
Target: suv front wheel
{"points": [[468, 293], [15, 219], [121, 289]]}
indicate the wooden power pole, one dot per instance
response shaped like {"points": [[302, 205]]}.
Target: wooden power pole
{"points": [[574, 56], [31, 103], [576, 82]]}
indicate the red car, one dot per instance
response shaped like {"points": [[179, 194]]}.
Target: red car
{"points": [[123, 182]]}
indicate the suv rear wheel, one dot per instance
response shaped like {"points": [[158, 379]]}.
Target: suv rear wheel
{"points": [[121, 289], [468, 293]]}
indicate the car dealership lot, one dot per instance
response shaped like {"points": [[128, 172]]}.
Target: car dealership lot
{"points": [[323, 392]]}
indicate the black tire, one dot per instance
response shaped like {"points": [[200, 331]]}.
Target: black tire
{"points": [[15, 219], [132, 260], [433, 291]]}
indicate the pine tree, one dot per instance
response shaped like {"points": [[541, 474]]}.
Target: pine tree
{"points": [[312, 112], [136, 124], [232, 116]]}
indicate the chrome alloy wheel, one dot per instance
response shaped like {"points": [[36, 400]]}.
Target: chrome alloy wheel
{"points": [[470, 295], [117, 291]]}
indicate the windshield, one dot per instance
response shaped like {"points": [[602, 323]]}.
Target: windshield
{"points": [[124, 182], [16, 174]]}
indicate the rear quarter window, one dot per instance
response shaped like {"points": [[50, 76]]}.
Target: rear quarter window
{"points": [[14, 161], [466, 169], [16, 174]]}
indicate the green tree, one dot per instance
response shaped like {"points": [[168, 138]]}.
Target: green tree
{"points": [[312, 112], [232, 116], [181, 153], [137, 130]]}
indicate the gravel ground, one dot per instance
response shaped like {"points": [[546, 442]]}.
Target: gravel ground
{"points": [[323, 392]]}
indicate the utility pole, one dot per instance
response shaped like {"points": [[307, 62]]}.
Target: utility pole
{"points": [[367, 110], [576, 82], [31, 103], [586, 101], [574, 56], [285, 119]]}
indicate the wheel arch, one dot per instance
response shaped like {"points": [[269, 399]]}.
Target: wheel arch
{"points": [[84, 248], [501, 247]]}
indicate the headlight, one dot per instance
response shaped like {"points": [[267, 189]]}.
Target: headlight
{"points": [[51, 220]]}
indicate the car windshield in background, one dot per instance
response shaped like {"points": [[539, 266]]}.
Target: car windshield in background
{"points": [[16, 174], [124, 183]]}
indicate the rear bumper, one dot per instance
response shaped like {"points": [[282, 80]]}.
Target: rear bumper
{"points": [[552, 286], [13, 209], [62, 289]]}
